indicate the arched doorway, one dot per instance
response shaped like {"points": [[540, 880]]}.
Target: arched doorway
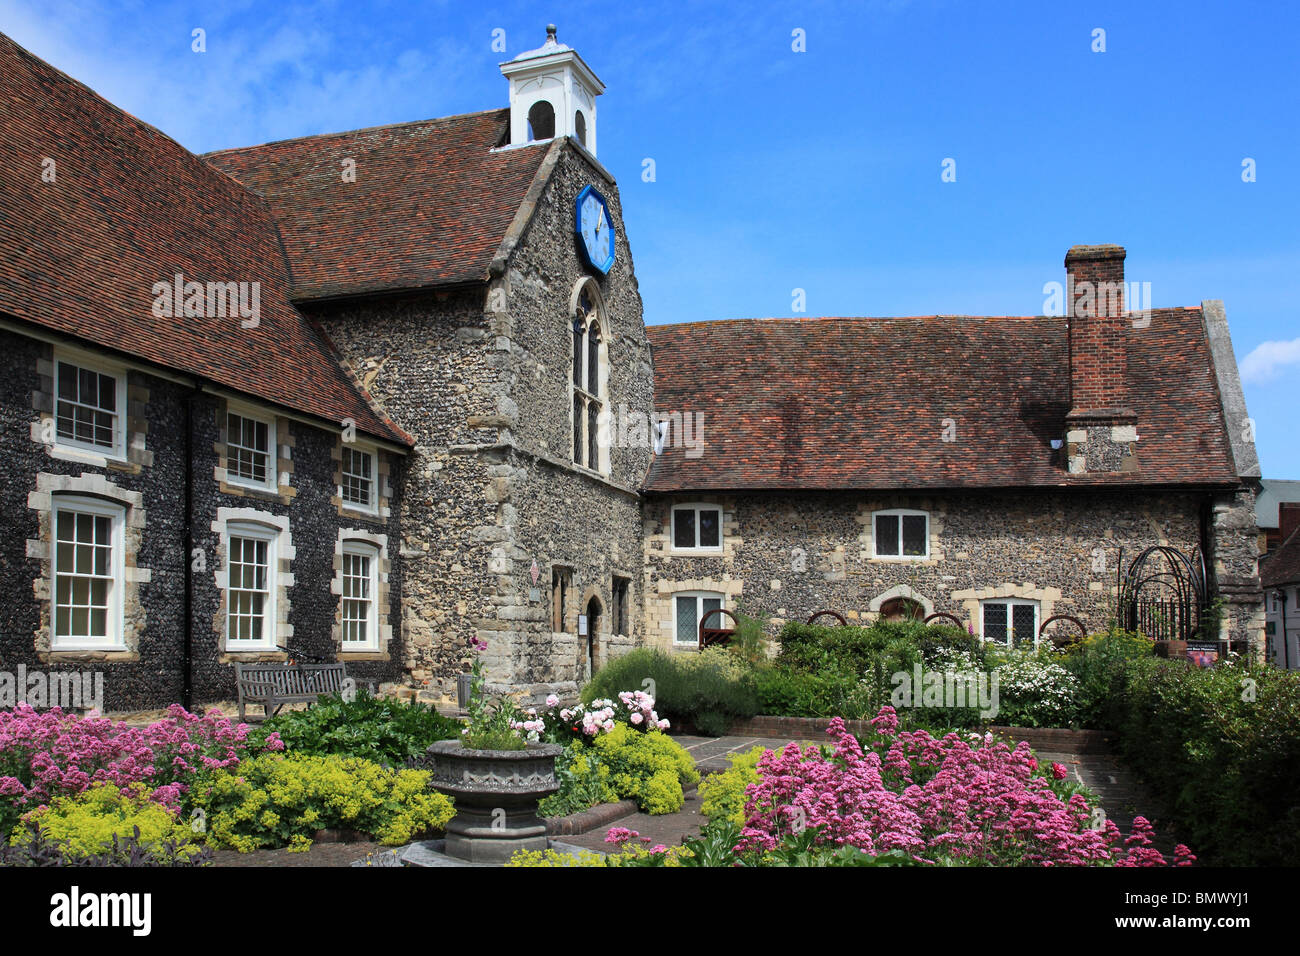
{"points": [[589, 644]]}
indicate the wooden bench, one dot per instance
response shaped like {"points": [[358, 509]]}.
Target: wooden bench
{"points": [[273, 685]]}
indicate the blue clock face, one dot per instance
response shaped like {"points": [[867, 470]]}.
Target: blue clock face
{"points": [[595, 228]]}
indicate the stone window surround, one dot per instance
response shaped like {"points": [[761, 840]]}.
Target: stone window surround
{"points": [[867, 510], [42, 500], [697, 506], [383, 490], [382, 596], [659, 543], [1011, 602], [614, 604], [561, 589], [900, 513], [700, 595], [281, 439], [284, 553], [602, 447], [972, 600], [661, 608], [133, 399]]}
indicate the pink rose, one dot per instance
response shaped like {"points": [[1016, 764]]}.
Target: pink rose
{"points": [[1058, 771]]}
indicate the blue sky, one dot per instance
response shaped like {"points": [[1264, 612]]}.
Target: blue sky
{"points": [[818, 170]]}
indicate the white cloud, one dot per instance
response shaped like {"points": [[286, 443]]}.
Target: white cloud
{"points": [[1267, 360]]}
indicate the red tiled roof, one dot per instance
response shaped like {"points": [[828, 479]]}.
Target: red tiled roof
{"points": [[430, 204], [130, 207], [862, 403], [1283, 565]]}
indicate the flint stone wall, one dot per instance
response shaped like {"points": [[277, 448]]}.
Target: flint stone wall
{"points": [[788, 555]]}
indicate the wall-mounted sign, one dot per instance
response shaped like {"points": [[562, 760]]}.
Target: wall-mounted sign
{"points": [[582, 625]]}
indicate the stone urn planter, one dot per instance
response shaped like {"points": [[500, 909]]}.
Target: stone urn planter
{"points": [[496, 793]]}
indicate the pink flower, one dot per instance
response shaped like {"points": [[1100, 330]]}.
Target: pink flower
{"points": [[1059, 772], [620, 835], [552, 700], [637, 719]]}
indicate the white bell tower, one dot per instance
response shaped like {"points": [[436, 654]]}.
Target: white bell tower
{"points": [[552, 93]]}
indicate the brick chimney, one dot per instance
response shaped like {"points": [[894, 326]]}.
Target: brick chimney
{"points": [[1101, 428]]}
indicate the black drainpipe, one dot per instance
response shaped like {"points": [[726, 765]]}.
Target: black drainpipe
{"points": [[187, 647]]}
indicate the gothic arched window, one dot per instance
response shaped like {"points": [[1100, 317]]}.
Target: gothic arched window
{"points": [[588, 387]]}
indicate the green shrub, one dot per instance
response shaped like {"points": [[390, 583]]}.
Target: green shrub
{"points": [[93, 821], [383, 729], [649, 768], [282, 799], [1098, 663], [1220, 748], [584, 782], [38, 849], [722, 795], [707, 690], [884, 647], [828, 693]]}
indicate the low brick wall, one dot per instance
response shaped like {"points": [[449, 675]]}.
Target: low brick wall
{"points": [[1052, 739], [1059, 739]]}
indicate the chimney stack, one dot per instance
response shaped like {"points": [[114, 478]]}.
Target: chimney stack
{"points": [[1101, 428]]}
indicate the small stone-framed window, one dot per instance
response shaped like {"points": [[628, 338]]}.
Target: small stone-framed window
{"points": [[689, 608], [89, 405], [88, 572], [900, 534], [619, 610], [250, 450], [697, 528], [561, 585], [1009, 621], [360, 485]]}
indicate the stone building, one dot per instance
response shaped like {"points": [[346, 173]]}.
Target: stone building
{"points": [[1001, 470], [375, 395]]}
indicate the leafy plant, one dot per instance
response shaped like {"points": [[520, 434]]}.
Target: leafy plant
{"points": [[36, 847], [584, 782], [93, 822], [283, 799], [649, 768], [493, 721], [707, 690], [45, 755], [383, 729], [722, 795]]}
